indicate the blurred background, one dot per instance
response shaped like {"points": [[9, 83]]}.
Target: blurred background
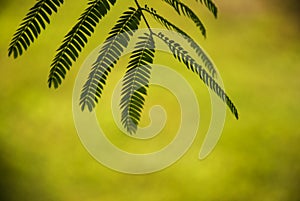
{"points": [[255, 45]]}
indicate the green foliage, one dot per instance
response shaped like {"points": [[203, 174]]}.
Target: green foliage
{"points": [[207, 62], [185, 10], [136, 79], [32, 24], [108, 57], [183, 56], [76, 39], [210, 5]]}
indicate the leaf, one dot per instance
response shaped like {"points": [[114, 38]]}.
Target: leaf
{"points": [[183, 56], [31, 26], [135, 82], [76, 39], [185, 10], [207, 62], [211, 6], [108, 56]]}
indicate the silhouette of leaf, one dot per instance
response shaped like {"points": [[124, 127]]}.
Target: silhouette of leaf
{"points": [[76, 39], [32, 25], [108, 56], [183, 56], [207, 62], [135, 82], [185, 10], [211, 6]]}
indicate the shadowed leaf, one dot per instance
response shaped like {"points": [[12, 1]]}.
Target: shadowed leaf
{"points": [[210, 5], [32, 25], [181, 8], [76, 39], [135, 82], [183, 56], [108, 56], [207, 62]]}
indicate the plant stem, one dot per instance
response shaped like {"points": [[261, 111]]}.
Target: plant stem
{"points": [[147, 24]]}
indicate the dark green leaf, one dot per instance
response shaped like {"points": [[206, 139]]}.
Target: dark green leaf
{"points": [[185, 10], [108, 56], [136, 81], [32, 23], [76, 39], [191, 64], [207, 62]]}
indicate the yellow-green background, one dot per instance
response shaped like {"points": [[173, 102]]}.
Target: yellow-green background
{"points": [[256, 47]]}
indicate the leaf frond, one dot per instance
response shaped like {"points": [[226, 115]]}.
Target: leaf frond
{"points": [[109, 54], [207, 62], [211, 6], [32, 25], [136, 81], [183, 56], [181, 8], [76, 39]]}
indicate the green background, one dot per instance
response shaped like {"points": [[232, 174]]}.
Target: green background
{"points": [[256, 48]]}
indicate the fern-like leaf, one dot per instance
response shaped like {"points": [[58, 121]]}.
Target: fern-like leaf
{"points": [[183, 56], [108, 56], [76, 39], [211, 6], [207, 62], [136, 82], [32, 25], [185, 10]]}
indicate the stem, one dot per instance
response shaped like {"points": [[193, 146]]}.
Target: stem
{"points": [[147, 24]]}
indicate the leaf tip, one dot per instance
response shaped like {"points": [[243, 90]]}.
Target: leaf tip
{"points": [[236, 115], [14, 52], [52, 83]]}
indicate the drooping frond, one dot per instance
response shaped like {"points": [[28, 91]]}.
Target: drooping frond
{"points": [[183, 56], [207, 62], [185, 10], [108, 56], [136, 82], [32, 25], [76, 39], [211, 6]]}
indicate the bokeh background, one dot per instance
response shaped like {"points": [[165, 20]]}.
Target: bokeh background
{"points": [[255, 45]]}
